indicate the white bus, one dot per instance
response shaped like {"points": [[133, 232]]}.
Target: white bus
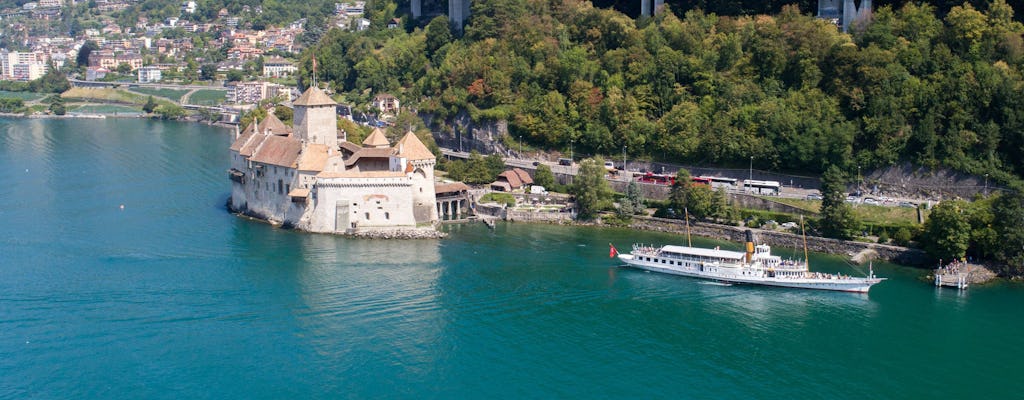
{"points": [[769, 188], [720, 182]]}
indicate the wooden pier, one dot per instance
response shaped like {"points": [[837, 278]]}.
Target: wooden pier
{"points": [[956, 274]]}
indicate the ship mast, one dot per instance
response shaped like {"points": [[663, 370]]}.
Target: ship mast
{"points": [[686, 214], [807, 261]]}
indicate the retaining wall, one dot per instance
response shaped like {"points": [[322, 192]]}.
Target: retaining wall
{"points": [[900, 255]]}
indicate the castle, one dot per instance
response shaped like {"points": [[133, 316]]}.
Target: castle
{"points": [[309, 178]]}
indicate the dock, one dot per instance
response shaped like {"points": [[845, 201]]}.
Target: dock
{"points": [[956, 274]]}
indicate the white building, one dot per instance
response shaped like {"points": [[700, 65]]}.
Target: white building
{"points": [[149, 74], [188, 7], [278, 67], [314, 180], [254, 92], [21, 65]]}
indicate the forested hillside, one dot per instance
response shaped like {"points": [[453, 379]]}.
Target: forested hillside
{"points": [[787, 89]]}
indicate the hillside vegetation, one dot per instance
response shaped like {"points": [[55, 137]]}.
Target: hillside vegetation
{"points": [[788, 90]]}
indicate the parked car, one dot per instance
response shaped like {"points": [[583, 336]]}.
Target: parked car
{"points": [[871, 201], [610, 166], [564, 161], [907, 204], [814, 196]]}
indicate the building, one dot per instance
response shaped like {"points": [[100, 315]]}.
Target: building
{"points": [[386, 103], [511, 180], [22, 65], [254, 92], [95, 73], [188, 7], [149, 74], [278, 67], [313, 179]]}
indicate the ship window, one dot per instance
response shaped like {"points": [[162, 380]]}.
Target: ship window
{"points": [[387, 215], [367, 216]]}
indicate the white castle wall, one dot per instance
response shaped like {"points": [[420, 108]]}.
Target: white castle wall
{"points": [[265, 194], [368, 203]]}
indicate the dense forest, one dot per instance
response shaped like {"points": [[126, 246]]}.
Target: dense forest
{"points": [[789, 90]]}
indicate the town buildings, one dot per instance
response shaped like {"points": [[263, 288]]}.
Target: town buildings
{"points": [[149, 74]]}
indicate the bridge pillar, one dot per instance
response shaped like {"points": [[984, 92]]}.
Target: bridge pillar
{"points": [[645, 8], [416, 8], [458, 11]]}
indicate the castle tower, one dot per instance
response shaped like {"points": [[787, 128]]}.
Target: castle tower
{"points": [[376, 140], [419, 166], [315, 119]]}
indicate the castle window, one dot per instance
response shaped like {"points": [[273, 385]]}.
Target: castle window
{"points": [[280, 186], [367, 216], [387, 216]]}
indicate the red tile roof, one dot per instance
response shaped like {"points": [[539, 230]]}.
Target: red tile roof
{"points": [[279, 150]]}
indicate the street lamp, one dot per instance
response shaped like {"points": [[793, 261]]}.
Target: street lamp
{"points": [[520, 146], [751, 176], [860, 182], [571, 141], [623, 157], [986, 184]]}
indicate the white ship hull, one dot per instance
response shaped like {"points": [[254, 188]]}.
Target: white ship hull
{"points": [[742, 273]]}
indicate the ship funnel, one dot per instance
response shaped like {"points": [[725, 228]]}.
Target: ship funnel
{"points": [[750, 246]]}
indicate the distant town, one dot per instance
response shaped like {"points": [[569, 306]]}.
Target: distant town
{"points": [[252, 64]]}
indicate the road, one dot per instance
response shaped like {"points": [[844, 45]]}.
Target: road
{"points": [[785, 191]]}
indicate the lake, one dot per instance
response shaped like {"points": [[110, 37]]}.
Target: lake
{"points": [[173, 297]]}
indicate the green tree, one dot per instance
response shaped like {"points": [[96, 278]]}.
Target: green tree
{"points": [[235, 75], [1009, 223], [590, 188], [150, 105], [544, 177], [57, 108], [679, 193], [124, 69], [702, 202], [633, 201], [837, 219], [902, 236], [208, 72], [284, 114], [439, 33], [82, 60], [947, 233], [169, 111]]}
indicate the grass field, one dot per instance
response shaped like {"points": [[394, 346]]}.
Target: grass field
{"points": [[105, 109], [207, 97], [172, 94], [869, 214], [105, 95], [27, 96]]}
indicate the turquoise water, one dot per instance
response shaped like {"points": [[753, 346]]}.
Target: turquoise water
{"points": [[172, 297]]}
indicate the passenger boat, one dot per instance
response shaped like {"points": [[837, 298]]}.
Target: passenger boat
{"points": [[756, 266]]}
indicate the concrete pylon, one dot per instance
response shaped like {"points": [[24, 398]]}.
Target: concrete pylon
{"points": [[458, 12], [645, 8], [849, 14], [416, 8]]}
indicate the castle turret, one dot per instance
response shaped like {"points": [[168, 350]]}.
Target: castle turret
{"points": [[315, 118], [419, 166]]}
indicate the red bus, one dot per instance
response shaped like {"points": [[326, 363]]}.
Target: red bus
{"points": [[700, 180], [657, 179]]}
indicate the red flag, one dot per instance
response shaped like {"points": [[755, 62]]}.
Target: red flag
{"points": [[612, 253]]}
